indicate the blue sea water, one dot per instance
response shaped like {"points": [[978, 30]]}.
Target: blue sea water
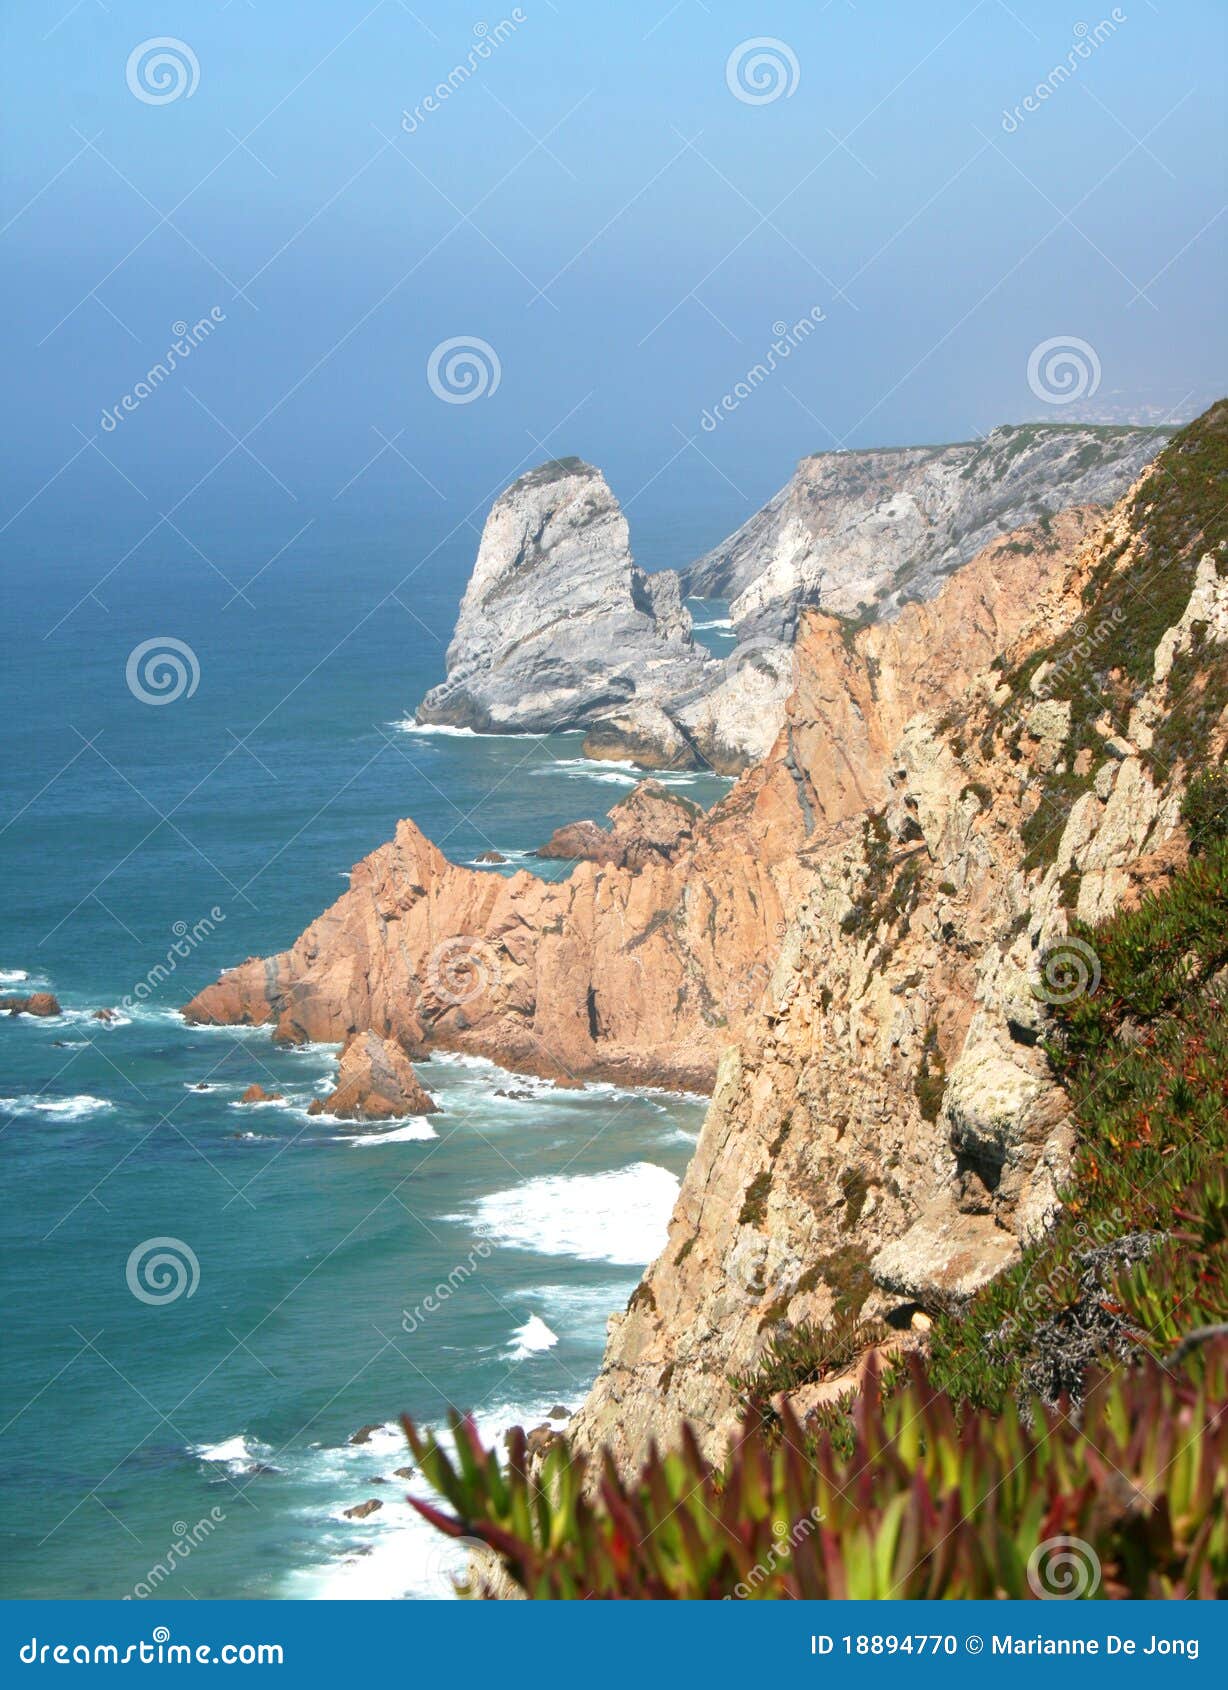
{"points": [[143, 847]]}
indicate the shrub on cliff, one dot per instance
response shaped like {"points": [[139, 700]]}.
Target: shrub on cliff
{"points": [[920, 1503], [953, 1478], [1145, 1060], [1204, 810]]}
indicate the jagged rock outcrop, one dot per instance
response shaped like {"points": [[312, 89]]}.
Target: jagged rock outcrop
{"points": [[643, 968], [725, 728], [256, 1093], [875, 528], [649, 824], [375, 1082], [557, 626], [889, 1135], [559, 629], [40, 1004], [639, 975]]}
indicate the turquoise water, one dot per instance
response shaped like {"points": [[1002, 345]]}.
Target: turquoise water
{"points": [[207, 1432]]}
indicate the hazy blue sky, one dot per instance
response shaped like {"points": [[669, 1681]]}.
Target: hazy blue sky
{"points": [[596, 203]]}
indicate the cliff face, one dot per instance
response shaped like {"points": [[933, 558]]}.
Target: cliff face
{"points": [[873, 528], [642, 967], [860, 942], [631, 973], [557, 626], [889, 1134]]}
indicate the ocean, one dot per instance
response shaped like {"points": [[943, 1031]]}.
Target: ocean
{"points": [[208, 1300]]}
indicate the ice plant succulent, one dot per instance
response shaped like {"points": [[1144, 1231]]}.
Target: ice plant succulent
{"points": [[927, 1501]]}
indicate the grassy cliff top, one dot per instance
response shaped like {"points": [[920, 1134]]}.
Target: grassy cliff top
{"points": [[1030, 432]]}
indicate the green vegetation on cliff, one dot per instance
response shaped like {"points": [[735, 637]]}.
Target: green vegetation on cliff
{"points": [[919, 1502], [1082, 1396], [945, 1481], [1139, 1256]]}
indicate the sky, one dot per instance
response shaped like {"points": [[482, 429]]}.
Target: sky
{"points": [[610, 214]]}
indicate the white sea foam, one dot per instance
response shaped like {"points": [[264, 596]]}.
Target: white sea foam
{"points": [[408, 725], [416, 1130], [393, 1553], [620, 1217], [620, 771], [13, 976], [236, 1029], [59, 1108], [580, 1310], [716, 622], [588, 763], [238, 1454], [531, 1339]]}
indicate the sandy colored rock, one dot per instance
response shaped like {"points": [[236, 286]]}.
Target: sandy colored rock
{"points": [[376, 1082], [362, 1510], [39, 1004], [650, 824], [889, 1133], [945, 1253], [256, 1093], [585, 841]]}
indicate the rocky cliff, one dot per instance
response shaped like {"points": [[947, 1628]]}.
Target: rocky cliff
{"points": [[855, 530], [860, 944], [638, 969], [655, 952], [889, 1134], [557, 626]]}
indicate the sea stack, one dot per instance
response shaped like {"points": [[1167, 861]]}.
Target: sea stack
{"points": [[558, 627]]}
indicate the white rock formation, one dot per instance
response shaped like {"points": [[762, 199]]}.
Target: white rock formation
{"points": [[557, 626], [875, 528]]}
